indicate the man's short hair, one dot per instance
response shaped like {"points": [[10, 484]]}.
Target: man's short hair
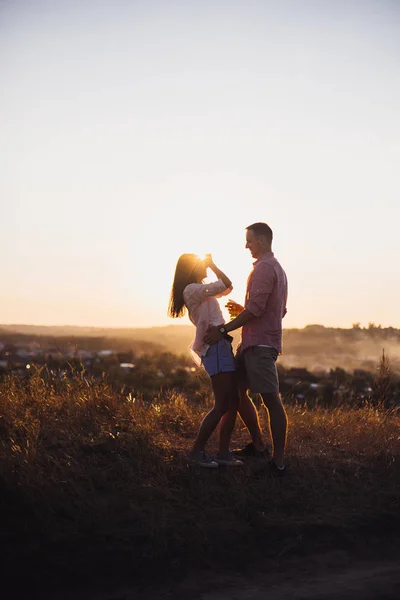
{"points": [[261, 229]]}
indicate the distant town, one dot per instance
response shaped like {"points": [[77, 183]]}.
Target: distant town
{"points": [[144, 368]]}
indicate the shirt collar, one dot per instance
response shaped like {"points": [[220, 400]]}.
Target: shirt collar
{"points": [[265, 256]]}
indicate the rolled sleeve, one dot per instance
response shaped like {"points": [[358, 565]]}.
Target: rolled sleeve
{"points": [[225, 292], [198, 292], [260, 288]]}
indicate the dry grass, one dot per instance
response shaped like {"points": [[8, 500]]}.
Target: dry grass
{"points": [[94, 486]]}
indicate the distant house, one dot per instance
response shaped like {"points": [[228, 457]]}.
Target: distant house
{"points": [[83, 354], [34, 346], [127, 366], [105, 353]]}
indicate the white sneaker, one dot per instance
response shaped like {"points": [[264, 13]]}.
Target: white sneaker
{"points": [[203, 460], [229, 460]]}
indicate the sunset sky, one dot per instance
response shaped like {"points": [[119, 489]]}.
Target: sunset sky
{"points": [[132, 132]]}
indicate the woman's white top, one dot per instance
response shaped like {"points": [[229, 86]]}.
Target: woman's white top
{"points": [[204, 310]]}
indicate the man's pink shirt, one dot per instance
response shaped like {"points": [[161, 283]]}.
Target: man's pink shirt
{"points": [[266, 298]]}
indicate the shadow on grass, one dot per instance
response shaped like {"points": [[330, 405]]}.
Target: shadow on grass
{"points": [[92, 495], [132, 513]]}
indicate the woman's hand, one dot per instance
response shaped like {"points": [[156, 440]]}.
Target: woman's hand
{"points": [[208, 261], [234, 308]]}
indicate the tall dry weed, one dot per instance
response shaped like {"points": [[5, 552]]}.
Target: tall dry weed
{"points": [[97, 479]]}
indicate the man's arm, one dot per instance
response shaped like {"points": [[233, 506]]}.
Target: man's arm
{"points": [[213, 334], [259, 292], [244, 317]]}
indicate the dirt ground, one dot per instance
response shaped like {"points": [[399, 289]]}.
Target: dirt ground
{"points": [[380, 582], [329, 577]]}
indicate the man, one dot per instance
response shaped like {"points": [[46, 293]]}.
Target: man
{"points": [[261, 343]]}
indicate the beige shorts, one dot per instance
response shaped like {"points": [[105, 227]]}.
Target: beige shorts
{"points": [[256, 370]]}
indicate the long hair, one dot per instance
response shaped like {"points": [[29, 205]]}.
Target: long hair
{"points": [[184, 274]]}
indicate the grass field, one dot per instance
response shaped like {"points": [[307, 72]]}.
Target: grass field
{"points": [[96, 492]]}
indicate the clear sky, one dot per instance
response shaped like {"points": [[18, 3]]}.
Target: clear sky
{"points": [[132, 132]]}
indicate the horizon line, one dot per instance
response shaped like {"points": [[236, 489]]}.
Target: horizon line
{"points": [[110, 327]]}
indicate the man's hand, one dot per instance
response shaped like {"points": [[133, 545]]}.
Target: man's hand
{"points": [[212, 335], [233, 308]]}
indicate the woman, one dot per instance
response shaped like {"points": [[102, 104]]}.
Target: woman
{"points": [[199, 299]]}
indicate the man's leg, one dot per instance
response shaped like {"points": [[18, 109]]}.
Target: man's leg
{"points": [[249, 415], [247, 410], [278, 425]]}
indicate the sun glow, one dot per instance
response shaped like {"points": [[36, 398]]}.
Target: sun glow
{"points": [[186, 132]]}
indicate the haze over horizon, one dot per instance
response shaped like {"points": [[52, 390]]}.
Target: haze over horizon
{"points": [[135, 131]]}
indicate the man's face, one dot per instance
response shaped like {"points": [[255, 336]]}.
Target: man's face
{"points": [[255, 244]]}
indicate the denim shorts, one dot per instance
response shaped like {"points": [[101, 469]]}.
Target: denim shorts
{"points": [[219, 358]]}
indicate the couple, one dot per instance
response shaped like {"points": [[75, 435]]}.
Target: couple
{"points": [[254, 367]]}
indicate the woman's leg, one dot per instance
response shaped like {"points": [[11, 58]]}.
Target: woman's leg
{"points": [[226, 386], [213, 417]]}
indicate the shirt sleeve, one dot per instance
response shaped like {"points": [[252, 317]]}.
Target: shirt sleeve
{"points": [[286, 296], [225, 292], [198, 292], [262, 283]]}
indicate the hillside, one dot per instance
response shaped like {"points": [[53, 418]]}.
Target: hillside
{"points": [[315, 347], [97, 497]]}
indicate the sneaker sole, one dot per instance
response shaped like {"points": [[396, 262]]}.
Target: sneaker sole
{"points": [[231, 463]]}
